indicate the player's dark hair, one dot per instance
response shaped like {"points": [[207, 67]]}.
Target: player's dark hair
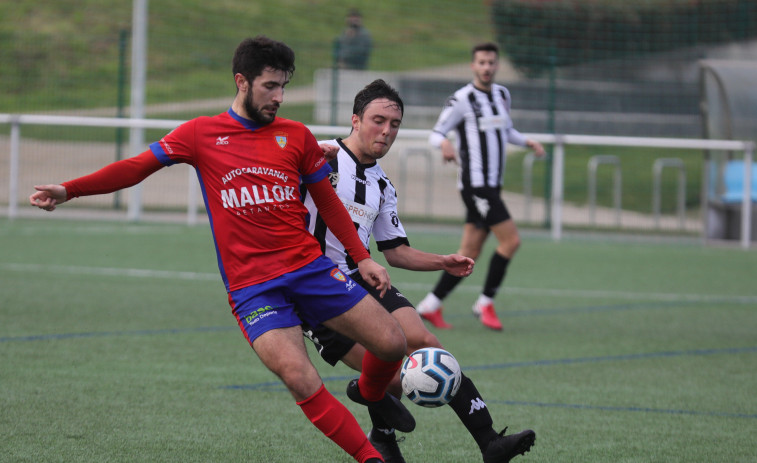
{"points": [[253, 56], [373, 91], [487, 46]]}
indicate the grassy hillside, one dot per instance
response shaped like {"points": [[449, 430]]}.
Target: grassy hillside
{"points": [[64, 54]]}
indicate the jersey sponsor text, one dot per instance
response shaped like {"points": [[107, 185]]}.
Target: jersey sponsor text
{"points": [[255, 171], [360, 213], [257, 195]]}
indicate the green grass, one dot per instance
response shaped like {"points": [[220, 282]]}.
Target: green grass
{"points": [[65, 53], [117, 344]]}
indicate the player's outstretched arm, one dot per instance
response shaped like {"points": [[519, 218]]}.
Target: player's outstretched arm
{"points": [[47, 197], [414, 259], [113, 177], [458, 265]]}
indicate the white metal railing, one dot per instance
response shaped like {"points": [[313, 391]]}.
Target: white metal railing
{"points": [[528, 168], [559, 141], [427, 156], [617, 178], [558, 162], [657, 169]]}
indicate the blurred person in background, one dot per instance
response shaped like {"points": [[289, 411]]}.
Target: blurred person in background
{"points": [[479, 115], [353, 47]]}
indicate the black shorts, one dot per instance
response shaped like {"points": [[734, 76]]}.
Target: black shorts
{"points": [[332, 346], [484, 206]]}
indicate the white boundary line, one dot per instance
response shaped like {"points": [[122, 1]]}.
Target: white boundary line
{"points": [[200, 276], [110, 271]]}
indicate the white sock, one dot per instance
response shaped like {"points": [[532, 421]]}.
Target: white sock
{"points": [[484, 300], [430, 303], [480, 302]]}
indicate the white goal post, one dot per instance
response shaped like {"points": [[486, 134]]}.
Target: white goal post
{"points": [[559, 142]]}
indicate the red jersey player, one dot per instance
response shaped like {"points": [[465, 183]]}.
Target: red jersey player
{"points": [[250, 165]]}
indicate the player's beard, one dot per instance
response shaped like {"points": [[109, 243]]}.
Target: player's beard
{"points": [[255, 114], [484, 79]]}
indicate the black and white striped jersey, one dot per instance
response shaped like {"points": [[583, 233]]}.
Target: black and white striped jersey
{"points": [[370, 199], [483, 127]]}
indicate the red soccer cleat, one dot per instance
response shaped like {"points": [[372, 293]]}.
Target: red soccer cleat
{"points": [[435, 318], [489, 317]]}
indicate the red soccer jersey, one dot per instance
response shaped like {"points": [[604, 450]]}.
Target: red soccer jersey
{"points": [[250, 177]]}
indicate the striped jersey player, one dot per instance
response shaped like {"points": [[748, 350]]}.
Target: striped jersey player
{"points": [[479, 114], [481, 121], [370, 200]]}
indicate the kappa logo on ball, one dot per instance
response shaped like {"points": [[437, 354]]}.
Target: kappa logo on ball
{"points": [[338, 275]]}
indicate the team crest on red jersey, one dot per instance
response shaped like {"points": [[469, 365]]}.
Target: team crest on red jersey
{"points": [[281, 139], [338, 275]]}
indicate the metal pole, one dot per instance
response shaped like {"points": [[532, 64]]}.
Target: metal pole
{"points": [[405, 154], [557, 188], [548, 170], [528, 168], [138, 83], [335, 84], [681, 198], [746, 201], [594, 162], [192, 198], [657, 169], [122, 36], [14, 162]]}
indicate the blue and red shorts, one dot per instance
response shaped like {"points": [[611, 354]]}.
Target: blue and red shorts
{"points": [[319, 290]]}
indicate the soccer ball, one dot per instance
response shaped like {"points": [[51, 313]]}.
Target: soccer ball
{"points": [[430, 377]]}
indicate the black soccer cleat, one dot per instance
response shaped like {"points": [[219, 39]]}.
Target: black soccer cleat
{"points": [[386, 444], [504, 448], [389, 408]]}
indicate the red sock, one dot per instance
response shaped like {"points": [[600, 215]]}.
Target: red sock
{"points": [[376, 376], [337, 423]]}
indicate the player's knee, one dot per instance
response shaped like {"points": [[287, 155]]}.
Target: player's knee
{"points": [[301, 380], [389, 346], [395, 344], [509, 247], [289, 369], [427, 339], [399, 347], [469, 252], [516, 243]]}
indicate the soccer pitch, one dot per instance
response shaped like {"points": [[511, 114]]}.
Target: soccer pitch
{"points": [[117, 345]]}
